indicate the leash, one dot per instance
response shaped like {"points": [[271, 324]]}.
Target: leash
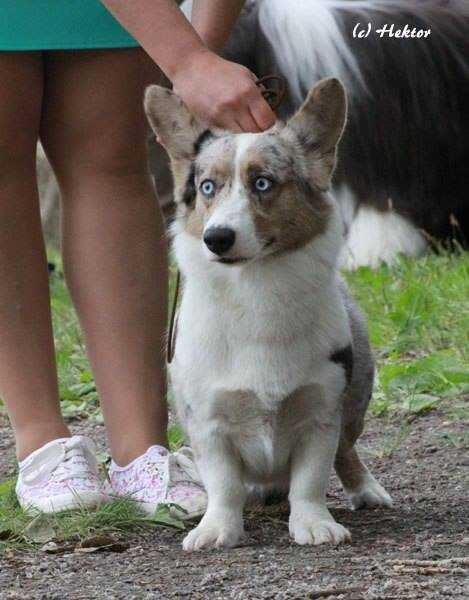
{"points": [[272, 95], [273, 90], [171, 342]]}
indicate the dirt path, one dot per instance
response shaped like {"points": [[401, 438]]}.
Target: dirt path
{"points": [[423, 465]]}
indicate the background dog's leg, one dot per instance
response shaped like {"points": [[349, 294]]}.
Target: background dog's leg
{"points": [[221, 469], [310, 520], [359, 484]]}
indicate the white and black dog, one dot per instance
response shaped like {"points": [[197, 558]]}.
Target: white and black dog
{"points": [[272, 371], [402, 178]]}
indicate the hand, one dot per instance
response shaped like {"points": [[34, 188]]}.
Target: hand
{"points": [[222, 94]]}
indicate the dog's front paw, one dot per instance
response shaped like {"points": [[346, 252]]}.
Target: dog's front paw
{"points": [[212, 534], [309, 529]]}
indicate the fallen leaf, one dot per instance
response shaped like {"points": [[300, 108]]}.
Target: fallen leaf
{"points": [[49, 547], [168, 515], [97, 541], [100, 542], [8, 553], [6, 534]]}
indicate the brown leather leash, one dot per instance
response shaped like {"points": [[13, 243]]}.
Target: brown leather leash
{"points": [[171, 341], [272, 95], [273, 90]]}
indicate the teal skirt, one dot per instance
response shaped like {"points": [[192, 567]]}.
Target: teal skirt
{"points": [[59, 25]]}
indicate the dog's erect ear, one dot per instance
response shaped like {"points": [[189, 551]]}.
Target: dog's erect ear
{"points": [[318, 126], [174, 126]]}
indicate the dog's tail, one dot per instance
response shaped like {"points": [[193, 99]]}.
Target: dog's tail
{"points": [[312, 39]]}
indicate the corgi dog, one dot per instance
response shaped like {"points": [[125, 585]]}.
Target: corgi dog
{"points": [[272, 371]]}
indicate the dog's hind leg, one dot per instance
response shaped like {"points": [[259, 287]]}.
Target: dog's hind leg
{"points": [[361, 487], [359, 484]]}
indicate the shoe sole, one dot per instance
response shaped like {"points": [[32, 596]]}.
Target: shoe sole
{"points": [[63, 502]]}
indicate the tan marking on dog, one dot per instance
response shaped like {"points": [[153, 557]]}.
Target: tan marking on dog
{"points": [[216, 159], [219, 172], [293, 213], [350, 468], [215, 162], [199, 215], [293, 220], [195, 220]]}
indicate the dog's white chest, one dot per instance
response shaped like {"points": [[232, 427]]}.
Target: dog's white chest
{"points": [[261, 433], [255, 432], [248, 363], [220, 348]]}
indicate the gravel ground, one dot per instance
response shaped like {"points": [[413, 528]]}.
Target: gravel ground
{"points": [[422, 464]]}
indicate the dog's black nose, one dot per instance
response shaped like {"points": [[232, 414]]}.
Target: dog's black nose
{"points": [[219, 239]]}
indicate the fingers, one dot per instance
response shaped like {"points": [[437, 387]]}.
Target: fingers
{"points": [[262, 114], [229, 120], [247, 121], [237, 128], [252, 114], [239, 111], [255, 115]]}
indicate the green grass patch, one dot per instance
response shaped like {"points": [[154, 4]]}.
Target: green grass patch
{"points": [[418, 318]]}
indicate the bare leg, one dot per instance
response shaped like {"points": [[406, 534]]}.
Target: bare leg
{"points": [[94, 133], [28, 381]]}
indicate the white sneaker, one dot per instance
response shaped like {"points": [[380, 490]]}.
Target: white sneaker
{"points": [[62, 475], [161, 477]]}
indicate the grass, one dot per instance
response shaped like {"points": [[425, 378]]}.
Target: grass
{"points": [[68, 530], [418, 316]]}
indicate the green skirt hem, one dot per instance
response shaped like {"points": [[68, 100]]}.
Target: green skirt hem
{"points": [[95, 45], [33, 25]]}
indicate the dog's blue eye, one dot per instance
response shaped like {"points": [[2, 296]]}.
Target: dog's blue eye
{"points": [[262, 184], [207, 187]]}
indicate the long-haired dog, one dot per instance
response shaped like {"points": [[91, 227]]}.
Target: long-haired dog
{"points": [[272, 371], [403, 178]]}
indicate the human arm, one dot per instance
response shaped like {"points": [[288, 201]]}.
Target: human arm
{"points": [[214, 20], [217, 91]]}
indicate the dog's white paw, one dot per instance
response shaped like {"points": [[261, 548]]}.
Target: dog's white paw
{"points": [[370, 494], [311, 530], [212, 534]]}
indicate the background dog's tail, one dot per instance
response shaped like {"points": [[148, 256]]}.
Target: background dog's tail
{"points": [[403, 159], [308, 43], [312, 39]]}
